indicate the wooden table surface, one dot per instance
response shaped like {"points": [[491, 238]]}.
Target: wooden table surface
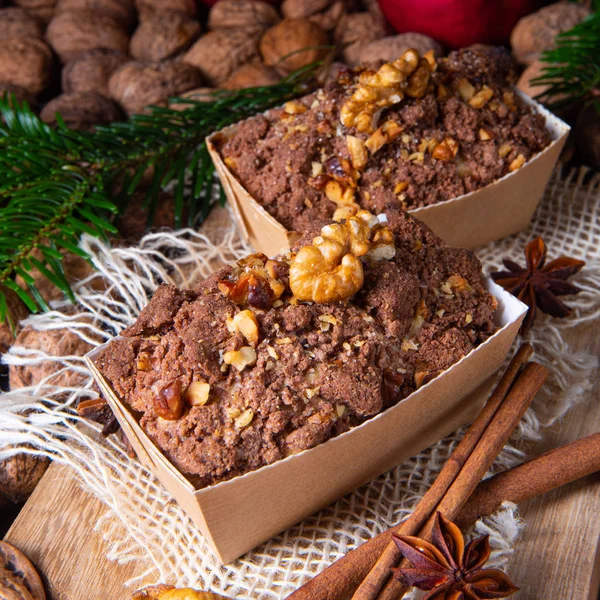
{"points": [[557, 557]]}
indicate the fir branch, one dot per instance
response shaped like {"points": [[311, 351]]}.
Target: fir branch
{"points": [[56, 184], [572, 69]]}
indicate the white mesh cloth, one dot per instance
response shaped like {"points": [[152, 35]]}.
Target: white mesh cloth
{"points": [[143, 524]]}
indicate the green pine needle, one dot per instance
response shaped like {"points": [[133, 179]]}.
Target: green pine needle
{"points": [[57, 184], [572, 69]]}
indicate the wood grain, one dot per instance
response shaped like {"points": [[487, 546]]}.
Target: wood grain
{"points": [[55, 529]]}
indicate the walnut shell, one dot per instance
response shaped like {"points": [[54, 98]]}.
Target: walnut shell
{"points": [[390, 48], [353, 32], [17, 569], [301, 9], [242, 13], [16, 22], [122, 11], [536, 32], [219, 53], [133, 223], [19, 475], [136, 85], [17, 311], [25, 62], [163, 35], [20, 93], [251, 75], [146, 8], [73, 32], [291, 36], [41, 9], [329, 19], [53, 343], [81, 110], [91, 70]]}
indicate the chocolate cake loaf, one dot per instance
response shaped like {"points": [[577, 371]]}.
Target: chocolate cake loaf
{"points": [[269, 357], [408, 134]]}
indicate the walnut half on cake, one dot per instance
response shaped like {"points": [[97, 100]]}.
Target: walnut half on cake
{"points": [[269, 357]]}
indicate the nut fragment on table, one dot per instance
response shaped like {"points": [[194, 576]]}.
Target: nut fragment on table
{"points": [[330, 270], [168, 592]]}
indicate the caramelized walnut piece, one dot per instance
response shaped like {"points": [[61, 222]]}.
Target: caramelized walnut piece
{"points": [[447, 149], [168, 402], [408, 75], [389, 131], [256, 281], [330, 270]]}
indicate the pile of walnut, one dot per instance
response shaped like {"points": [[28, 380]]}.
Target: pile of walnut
{"points": [[18, 578], [110, 58]]}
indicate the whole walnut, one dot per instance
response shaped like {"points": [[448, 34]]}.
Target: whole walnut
{"points": [[122, 11], [50, 344], [136, 85], [251, 75], [20, 93], [20, 474], [301, 9], [163, 35], [242, 13], [147, 8], [25, 62], [355, 31], [219, 53], [390, 48], [42, 9], [290, 37], [90, 71], [81, 111], [73, 32], [16, 22], [17, 311], [536, 32], [329, 19]]}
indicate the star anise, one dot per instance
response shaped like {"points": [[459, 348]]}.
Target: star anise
{"points": [[539, 284], [448, 570]]}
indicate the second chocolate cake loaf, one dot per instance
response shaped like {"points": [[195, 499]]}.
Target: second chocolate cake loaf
{"points": [[267, 358], [407, 134]]}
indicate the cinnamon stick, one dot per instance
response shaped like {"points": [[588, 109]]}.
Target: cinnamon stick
{"points": [[378, 575], [505, 420], [538, 476], [345, 575], [533, 478]]}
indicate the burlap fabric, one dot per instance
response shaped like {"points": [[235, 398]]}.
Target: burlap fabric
{"points": [[143, 524]]}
